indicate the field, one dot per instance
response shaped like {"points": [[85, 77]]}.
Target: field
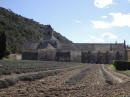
{"points": [[61, 79], [18, 67]]}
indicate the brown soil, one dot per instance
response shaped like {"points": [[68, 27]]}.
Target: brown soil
{"points": [[93, 84]]}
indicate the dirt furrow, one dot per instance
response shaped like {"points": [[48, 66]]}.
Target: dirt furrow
{"points": [[113, 77], [13, 75], [41, 87], [91, 84], [124, 77]]}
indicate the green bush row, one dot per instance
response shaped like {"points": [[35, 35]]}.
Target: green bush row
{"points": [[121, 65]]}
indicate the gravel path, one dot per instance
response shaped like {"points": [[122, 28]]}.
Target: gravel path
{"points": [[91, 84]]}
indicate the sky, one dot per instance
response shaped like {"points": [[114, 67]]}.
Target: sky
{"points": [[81, 21]]}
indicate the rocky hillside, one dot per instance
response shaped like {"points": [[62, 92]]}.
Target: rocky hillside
{"points": [[18, 29]]}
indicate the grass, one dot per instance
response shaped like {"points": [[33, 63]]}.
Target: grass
{"points": [[112, 67], [6, 59], [127, 71]]}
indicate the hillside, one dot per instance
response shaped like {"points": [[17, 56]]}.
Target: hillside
{"points": [[17, 30]]}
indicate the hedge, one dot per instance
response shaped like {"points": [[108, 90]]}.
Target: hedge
{"points": [[5, 83], [121, 65]]}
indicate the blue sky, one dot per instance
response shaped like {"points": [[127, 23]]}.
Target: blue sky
{"points": [[82, 21]]}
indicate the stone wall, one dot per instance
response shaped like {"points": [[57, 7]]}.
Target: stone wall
{"points": [[46, 54], [103, 53], [76, 56], [63, 56], [101, 57], [128, 54], [100, 47], [29, 56]]}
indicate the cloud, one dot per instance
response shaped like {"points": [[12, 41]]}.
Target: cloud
{"points": [[102, 3], [96, 38], [119, 20], [106, 36], [100, 24], [109, 35], [78, 21], [104, 17]]}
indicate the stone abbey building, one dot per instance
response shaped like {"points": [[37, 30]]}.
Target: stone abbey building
{"points": [[51, 49]]}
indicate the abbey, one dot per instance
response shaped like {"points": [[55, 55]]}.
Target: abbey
{"points": [[51, 49]]}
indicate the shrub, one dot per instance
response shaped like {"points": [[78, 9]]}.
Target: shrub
{"points": [[11, 81], [76, 78], [38, 76], [17, 72], [32, 77], [3, 84], [26, 78], [7, 82], [121, 65]]}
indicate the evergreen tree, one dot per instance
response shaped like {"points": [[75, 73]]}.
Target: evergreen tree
{"points": [[2, 44]]}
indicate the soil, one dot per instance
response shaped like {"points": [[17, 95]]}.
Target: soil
{"points": [[92, 84]]}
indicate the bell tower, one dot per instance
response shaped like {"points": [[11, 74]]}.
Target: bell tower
{"points": [[49, 33]]}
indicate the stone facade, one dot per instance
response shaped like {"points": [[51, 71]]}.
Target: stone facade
{"points": [[50, 49], [128, 54]]}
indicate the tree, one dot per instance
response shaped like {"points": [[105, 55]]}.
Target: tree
{"points": [[20, 30], [2, 44]]}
